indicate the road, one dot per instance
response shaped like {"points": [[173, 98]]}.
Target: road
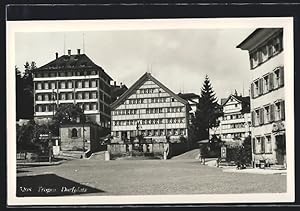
{"points": [[135, 177]]}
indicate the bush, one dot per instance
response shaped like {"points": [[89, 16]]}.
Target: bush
{"points": [[240, 154]]}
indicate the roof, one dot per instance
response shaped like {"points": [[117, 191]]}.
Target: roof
{"points": [[257, 37], [138, 83], [79, 62], [188, 96], [223, 100], [238, 98]]}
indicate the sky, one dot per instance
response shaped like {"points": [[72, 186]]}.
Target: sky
{"points": [[179, 58]]}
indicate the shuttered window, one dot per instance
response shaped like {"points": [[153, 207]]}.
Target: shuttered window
{"points": [[262, 139], [261, 116], [282, 110], [281, 76]]}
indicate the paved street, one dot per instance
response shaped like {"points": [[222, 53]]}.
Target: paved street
{"points": [[130, 177]]}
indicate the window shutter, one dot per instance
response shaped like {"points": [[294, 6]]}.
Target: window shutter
{"points": [[262, 142], [271, 81], [272, 114], [252, 90], [282, 109], [253, 118], [253, 146], [281, 76], [69, 133], [79, 132], [261, 116], [260, 84]]}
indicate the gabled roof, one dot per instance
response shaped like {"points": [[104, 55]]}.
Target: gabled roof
{"points": [[138, 83], [237, 98], [78, 62], [257, 37]]}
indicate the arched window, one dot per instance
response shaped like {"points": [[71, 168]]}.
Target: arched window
{"points": [[74, 133]]}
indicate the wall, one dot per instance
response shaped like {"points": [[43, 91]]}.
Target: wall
{"points": [[71, 143]]}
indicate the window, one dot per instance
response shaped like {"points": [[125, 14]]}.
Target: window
{"points": [[79, 84], [279, 111], [79, 95], [62, 85], [62, 96], [52, 85], [70, 84], [254, 59], [266, 84], [86, 84], [264, 53], [267, 114], [94, 95], [39, 97], [255, 89], [94, 83], [70, 96], [278, 77], [268, 144], [86, 106], [39, 85], [258, 146], [275, 46], [74, 133], [255, 117]]}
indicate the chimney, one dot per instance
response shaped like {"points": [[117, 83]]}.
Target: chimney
{"points": [[56, 55], [78, 51], [69, 52]]}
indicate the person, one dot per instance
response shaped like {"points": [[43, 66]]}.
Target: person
{"points": [[202, 154]]}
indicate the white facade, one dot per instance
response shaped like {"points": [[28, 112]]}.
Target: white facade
{"points": [[235, 124], [149, 109], [265, 48], [87, 86]]}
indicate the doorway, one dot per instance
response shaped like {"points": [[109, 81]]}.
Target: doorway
{"points": [[280, 149]]}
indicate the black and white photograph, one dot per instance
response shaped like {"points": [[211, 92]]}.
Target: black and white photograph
{"points": [[150, 111]]}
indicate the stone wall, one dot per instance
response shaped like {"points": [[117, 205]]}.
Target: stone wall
{"points": [[71, 140]]}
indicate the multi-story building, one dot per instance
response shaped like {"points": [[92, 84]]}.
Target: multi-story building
{"points": [[72, 79], [236, 120], [265, 47], [117, 90], [150, 109], [193, 100]]}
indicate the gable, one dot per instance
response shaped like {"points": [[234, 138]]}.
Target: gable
{"points": [[147, 87]]}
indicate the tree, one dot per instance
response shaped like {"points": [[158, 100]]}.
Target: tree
{"points": [[24, 86], [67, 113], [19, 93], [207, 112], [28, 136]]}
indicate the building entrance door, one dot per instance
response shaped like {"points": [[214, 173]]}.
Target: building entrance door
{"points": [[124, 135], [280, 149]]}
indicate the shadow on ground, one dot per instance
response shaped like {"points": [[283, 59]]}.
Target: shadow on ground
{"points": [[50, 185], [22, 171]]}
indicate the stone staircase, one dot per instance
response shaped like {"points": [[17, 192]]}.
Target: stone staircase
{"points": [[277, 167], [97, 156], [192, 154], [70, 155]]}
